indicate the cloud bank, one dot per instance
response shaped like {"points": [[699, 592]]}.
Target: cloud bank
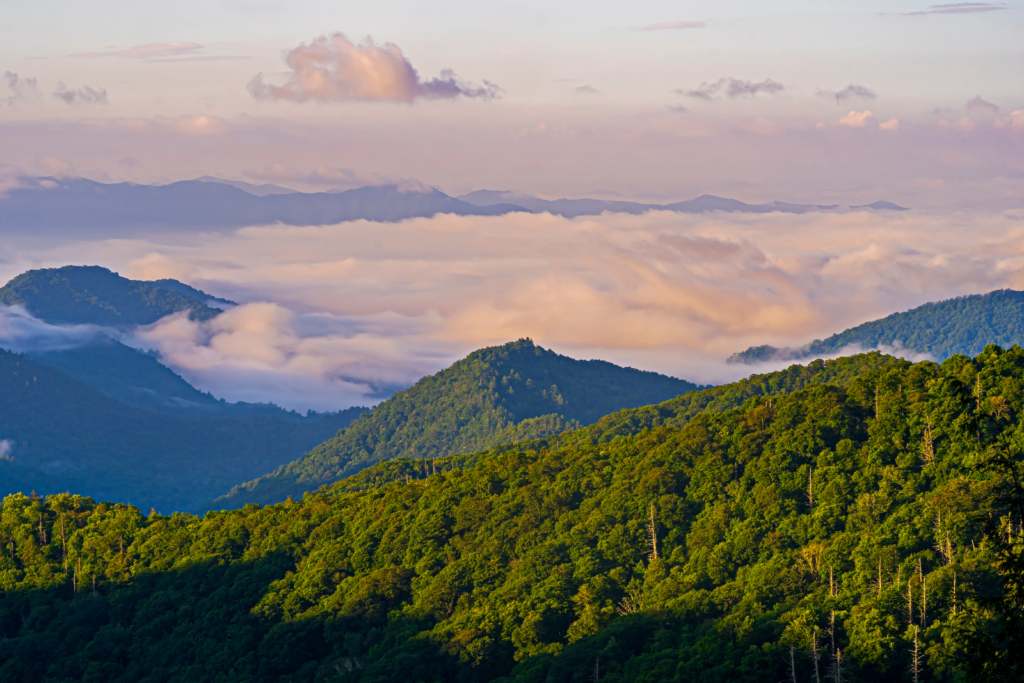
{"points": [[334, 316], [335, 69]]}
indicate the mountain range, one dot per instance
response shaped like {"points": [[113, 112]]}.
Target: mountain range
{"points": [[964, 325], [77, 206]]}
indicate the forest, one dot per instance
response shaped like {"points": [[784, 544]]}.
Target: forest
{"points": [[964, 325], [865, 529]]}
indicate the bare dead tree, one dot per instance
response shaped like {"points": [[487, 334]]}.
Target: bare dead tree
{"points": [[792, 663], [915, 660], [652, 535], [928, 443]]}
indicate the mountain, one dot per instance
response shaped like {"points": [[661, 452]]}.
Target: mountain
{"points": [[257, 190], [495, 395], [62, 434], [91, 295], [590, 207], [69, 207], [882, 206], [861, 533], [962, 325], [83, 207]]}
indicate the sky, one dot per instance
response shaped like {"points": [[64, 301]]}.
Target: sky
{"points": [[815, 102], [795, 101]]}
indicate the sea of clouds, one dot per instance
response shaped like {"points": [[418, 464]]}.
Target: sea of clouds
{"points": [[341, 315]]}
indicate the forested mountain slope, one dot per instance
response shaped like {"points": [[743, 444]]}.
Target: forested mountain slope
{"points": [[829, 534], [96, 296], [495, 395], [963, 325], [60, 435]]}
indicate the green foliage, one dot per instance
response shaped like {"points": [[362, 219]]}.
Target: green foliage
{"points": [[62, 435], [964, 325], [95, 295], [496, 395], [790, 530]]}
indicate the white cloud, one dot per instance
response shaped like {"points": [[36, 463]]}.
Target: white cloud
{"points": [[890, 125], [335, 69]]}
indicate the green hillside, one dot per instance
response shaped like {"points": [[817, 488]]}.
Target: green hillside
{"points": [[97, 296], [496, 395], [964, 325], [63, 435], [866, 533]]}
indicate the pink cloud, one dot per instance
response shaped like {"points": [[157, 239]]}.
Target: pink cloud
{"points": [[890, 125], [334, 69], [1015, 121], [856, 119]]}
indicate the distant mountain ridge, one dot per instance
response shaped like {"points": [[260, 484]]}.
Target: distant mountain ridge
{"points": [[964, 325], [496, 395], [70, 206]]}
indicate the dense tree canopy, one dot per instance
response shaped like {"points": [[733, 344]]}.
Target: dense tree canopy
{"points": [[500, 394], [964, 325], [832, 533]]}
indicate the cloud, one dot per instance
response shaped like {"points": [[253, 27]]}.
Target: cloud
{"points": [[329, 313], [150, 51], [83, 95], [733, 87], [21, 332], [673, 26], [57, 167], [11, 178], [20, 89], [334, 69], [849, 92], [1015, 121], [587, 90], [959, 8], [978, 103], [856, 119], [890, 125]]}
